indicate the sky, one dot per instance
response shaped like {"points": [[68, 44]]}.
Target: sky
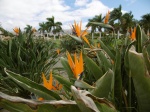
{"points": [[19, 13]]}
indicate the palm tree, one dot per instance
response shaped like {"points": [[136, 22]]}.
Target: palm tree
{"points": [[52, 25], [145, 22], [97, 18], [127, 21], [28, 28], [116, 14], [43, 27], [93, 26], [57, 30]]}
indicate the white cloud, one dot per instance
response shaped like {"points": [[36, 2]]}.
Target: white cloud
{"points": [[81, 2], [93, 8], [22, 12]]}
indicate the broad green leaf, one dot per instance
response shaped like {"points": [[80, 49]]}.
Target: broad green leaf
{"points": [[146, 58], [63, 81], [85, 103], [118, 78], [9, 47], [141, 79], [104, 85], [148, 49], [93, 67], [138, 39], [106, 62], [76, 38], [61, 107], [106, 49], [144, 37], [15, 107], [100, 101], [17, 104], [126, 60], [104, 108], [32, 86], [81, 84], [103, 25]]}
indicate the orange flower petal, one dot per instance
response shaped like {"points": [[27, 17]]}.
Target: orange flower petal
{"points": [[84, 32], [81, 63], [50, 81], [54, 88], [58, 51], [40, 99], [107, 17], [45, 83], [16, 30], [60, 86], [98, 45], [70, 61], [133, 34], [77, 28], [86, 40], [76, 66]]}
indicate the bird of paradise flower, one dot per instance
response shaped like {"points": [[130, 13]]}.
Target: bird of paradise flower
{"points": [[49, 84], [76, 66], [107, 17], [16, 30], [76, 28], [133, 34]]}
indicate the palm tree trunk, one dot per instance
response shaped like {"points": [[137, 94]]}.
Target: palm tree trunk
{"points": [[99, 35], [118, 34], [0, 35], [54, 37], [148, 34], [92, 36]]}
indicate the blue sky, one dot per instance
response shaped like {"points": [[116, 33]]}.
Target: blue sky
{"points": [[19, 13]]}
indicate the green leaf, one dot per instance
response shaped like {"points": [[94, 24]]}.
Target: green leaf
{"points": [[15, 107], [93, 67], [76, 38], [102, 101], [144, 36], [106, 49], [141, 79], [17, 104], [103, 25], [104, 108], [85, 103], [104, 85], [63, 80], [146, 58], [106, 62], [138, 39], [118, 78], [82, 84], [126, 62], [32, 86], [9, 47]]}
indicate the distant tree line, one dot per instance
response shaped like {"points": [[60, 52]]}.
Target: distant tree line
{"points": [[120, 21]]}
